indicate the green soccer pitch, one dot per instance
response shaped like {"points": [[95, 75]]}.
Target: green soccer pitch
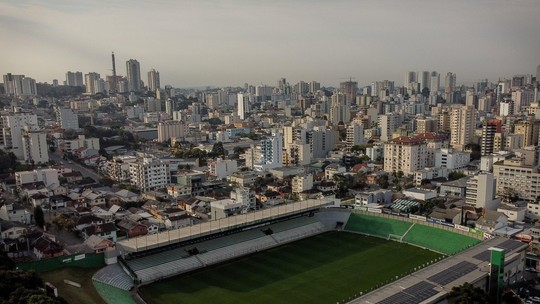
{"points": [[327, 268]]}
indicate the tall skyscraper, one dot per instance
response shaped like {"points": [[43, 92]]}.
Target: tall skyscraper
{"points": [[90, 82], [424, 80], [435, 83], [450, 82], [133, 71], [153, 80], [339, 109], [410, 77], [74, 79], [350, 89]]}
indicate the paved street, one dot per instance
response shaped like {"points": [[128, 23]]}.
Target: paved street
{"points": [[75, 166]]}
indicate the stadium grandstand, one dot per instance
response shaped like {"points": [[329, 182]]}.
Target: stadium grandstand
{"points": [[145, 260]]}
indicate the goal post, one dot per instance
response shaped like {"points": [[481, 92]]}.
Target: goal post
{"points": [[394, 237]]}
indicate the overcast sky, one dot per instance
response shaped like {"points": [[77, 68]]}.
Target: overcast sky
{"points": [[220, 43]]}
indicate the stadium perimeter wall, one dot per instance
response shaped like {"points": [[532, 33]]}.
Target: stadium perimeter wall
{"points": [[85, 260], [471, 232]]}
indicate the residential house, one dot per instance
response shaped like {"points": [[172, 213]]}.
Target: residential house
{"points": [[178, 221], [73, 176], [87, 221], [490, 221], [12, 230], [15, 213], [39, 199], [131, 228], [46, 247], [104, 231]]}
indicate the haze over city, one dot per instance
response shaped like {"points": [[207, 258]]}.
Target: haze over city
{"points": [[219, 43]]}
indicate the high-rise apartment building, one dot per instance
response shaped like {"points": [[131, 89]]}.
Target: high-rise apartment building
{"points": [[388, 124], [450, 82], [19, 85], [133, 71], [149, 174], [34, 146], [153, 80], [74, 79], [339, 109], [66, 119], [435, 83], [90, 83], [355, 135], [404, 154], [171, 129], [530, 129], [481, 191], [350, 89], [489, 130], [11, 131], [243, 105], [462, 126], [424, 79], [270, 152]]}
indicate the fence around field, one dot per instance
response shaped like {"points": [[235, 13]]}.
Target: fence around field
{"points": [[425, 234], [85, 260], [471, 232]]}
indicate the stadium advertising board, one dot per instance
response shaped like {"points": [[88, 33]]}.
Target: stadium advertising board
{"points": [[447, 224], [374, 210], [433, 220], [417, 217], [462, 228], [79, 257]]}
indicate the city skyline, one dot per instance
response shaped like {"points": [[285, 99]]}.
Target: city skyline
{"points": [[212, 43]]}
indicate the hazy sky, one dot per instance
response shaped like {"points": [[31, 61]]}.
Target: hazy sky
{"points": [[210, 42]]}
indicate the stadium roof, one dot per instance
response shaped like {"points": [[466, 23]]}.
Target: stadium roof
{"points": [[434, 282], [168, 237]]}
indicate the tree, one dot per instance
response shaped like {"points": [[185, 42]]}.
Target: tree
{"points": [[475, 150], [456, 175], [39, 217], [218, 149], [238, 150], [8, 161], [382, 181], [468, 294], [70, 134]]}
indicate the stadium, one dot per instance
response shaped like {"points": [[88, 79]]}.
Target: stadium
{"points": [[305, 252]]}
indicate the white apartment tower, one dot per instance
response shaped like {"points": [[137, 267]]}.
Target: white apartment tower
{"points": [[270, 153], [19, 85], [339, 109], [243, 105], [12, 130], [34, 146], [355, 135], [149, 174], [74, 79], [481, 191], [388, 124], [90, 82], [170, 129], [66, 119], [405, 154]]}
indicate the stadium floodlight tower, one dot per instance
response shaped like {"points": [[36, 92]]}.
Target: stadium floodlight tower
{"points": [[496, 273]]}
